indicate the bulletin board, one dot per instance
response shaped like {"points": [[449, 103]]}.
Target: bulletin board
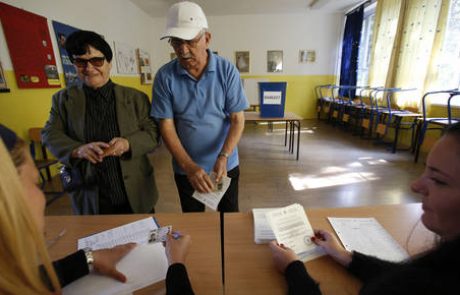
{"points": [[30, 48]]}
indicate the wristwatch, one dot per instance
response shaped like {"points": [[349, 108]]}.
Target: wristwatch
{"points": [[89, 258], [223, 154]]}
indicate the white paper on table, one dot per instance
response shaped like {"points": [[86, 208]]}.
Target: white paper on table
{"points": [[212, 199], [143, 266], [292, 228], [137, 232], [263, 233], [367, 235]]}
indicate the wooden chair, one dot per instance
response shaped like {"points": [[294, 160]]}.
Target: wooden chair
{"points": [[43, 164]]}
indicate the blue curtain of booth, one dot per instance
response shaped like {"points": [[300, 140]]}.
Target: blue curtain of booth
{"points": [[350, 49]]}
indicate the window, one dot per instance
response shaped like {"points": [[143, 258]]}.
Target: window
{"points": [[365, 46], [448, 67]]}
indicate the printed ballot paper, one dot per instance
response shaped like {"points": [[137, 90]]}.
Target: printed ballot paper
{"points": [[368, 236], [144, 265], [292, 229], [212, 199]]}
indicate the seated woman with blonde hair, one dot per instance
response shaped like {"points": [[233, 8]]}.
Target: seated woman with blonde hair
{"points": [[24, 261], [435, 272]]}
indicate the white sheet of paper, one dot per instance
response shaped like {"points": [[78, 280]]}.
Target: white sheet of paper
{"points": [[292, 228], [212, 199], [143, 266], [367, 235], [263, 233], [137, 232]]}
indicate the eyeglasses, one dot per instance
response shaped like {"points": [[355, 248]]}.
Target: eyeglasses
{"points": [[176, 42], [83, 62]]}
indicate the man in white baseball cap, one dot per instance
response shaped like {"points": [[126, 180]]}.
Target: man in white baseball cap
{"points": [[198, 101], [184, 21]]}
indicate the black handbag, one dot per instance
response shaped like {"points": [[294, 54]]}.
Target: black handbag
{"points": [[71, 178]]}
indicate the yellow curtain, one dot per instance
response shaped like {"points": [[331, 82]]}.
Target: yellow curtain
{"points": [[404, 45], [432, 78], [386, 24]]}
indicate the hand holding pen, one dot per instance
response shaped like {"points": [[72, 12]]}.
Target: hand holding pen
{"points": [[177, 247]]}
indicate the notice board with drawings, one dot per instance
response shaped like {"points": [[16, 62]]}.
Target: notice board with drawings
{"points": [[30, 48]]}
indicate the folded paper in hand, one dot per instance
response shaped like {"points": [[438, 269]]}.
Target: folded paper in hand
{"points": [[212, 199]]}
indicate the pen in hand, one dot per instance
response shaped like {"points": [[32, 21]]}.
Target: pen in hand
{"points": [[56, 239]]}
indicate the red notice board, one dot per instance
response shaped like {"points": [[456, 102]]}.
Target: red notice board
{"points": [[30, 48]]}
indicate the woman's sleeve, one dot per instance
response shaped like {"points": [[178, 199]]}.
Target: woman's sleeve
{"points": [[54, 133], [299, 281], [71, 268], [146, 137], [177, 281], [367, 267]]}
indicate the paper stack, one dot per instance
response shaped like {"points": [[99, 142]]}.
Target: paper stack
{"points": [[288, 226], [263, 233]]}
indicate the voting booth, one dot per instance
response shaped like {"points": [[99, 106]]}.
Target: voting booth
{"points": [[272, 99]]}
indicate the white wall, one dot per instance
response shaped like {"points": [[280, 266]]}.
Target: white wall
{"points": [[319, 31], [117, 20], [121, 20]]}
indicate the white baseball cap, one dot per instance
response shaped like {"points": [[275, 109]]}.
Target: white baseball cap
{"points": [[184, 21]]}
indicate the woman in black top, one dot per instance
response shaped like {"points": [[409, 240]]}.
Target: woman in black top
{"points": [[434, 272], [22, 207]]}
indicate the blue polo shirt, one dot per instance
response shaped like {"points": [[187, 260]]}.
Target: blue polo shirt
{"points": [[200, 108]]}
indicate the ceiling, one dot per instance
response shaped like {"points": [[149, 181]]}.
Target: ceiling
{"points": [[158, 8]]}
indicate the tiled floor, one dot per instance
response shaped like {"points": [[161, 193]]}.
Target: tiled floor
{"points": [[335, 169]]}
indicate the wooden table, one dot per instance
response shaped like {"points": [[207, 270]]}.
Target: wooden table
{"points": [[291, 119], [249, 268], [204, 263]]}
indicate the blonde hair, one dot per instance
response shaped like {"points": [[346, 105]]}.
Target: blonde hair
{"points": [[22, 246]]}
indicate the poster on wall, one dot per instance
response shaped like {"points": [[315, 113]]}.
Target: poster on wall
{"points": [[242, 61], [3, 87], [126, 58], [62, 31], [30, 48], [307, 56], [143, 59], [274, 61]]}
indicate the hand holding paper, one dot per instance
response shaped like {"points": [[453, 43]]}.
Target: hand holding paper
{"points": [[292, 229], [213, 198]]}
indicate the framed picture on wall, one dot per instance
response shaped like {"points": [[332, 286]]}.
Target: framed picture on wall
{"points": [[242, 61], [307, 56], [274, 61]]}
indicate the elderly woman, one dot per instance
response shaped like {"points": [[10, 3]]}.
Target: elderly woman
{"points": [[435, 272], [103, 132], [22, 223]]}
